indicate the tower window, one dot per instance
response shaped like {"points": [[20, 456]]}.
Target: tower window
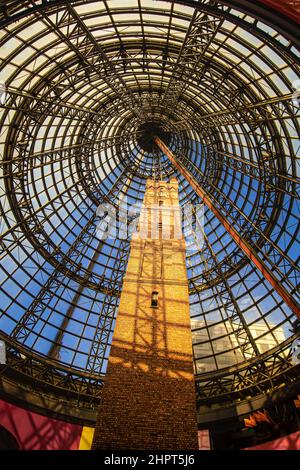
{"points": [[160, 203], [154, 299]]}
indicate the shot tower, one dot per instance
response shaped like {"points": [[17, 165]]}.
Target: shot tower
{"points": [[148, 399]]}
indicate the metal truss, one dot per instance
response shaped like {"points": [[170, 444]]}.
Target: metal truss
{"points": [[290, 186], [255, 377], [43, 159], [85, 159], [78, 88], [73, 31], [64, 263], [36, 106], [54, 282], [281, 107], [267, 202], [272, 255], [36, 374], [76, 252], [224, 295], [190, 64], [31, 223], [104, 328]]}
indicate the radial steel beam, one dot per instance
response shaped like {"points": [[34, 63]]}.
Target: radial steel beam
{"points": [[241, 330], [290, 184], [190, 65], [54, 351], [256, 230], [37, 105], [72, 30], [280, 107], [104, 327], [55, 280], [271, 369], [41, 301], [47, 157], [23, 364], [243, 244]]}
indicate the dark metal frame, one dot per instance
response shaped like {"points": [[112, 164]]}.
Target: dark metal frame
{"points": [[199, 95]]}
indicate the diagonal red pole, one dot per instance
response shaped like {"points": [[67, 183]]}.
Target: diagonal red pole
{"points": [[243, 244]]}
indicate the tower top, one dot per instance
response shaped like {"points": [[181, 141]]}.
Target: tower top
{"points": [[168, 184]]}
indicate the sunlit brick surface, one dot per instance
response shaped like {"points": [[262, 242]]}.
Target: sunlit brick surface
{"points": [[148, 401]]}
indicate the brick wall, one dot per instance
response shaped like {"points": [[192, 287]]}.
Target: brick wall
{"points": [[148, 400]]}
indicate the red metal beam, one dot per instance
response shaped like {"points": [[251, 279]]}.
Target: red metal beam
{"points": [[247, 249], [290, 8]]}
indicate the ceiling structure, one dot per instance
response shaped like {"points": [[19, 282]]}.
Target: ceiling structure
{"points": [[85, 87]]}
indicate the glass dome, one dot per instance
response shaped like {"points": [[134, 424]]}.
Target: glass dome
{"points": [[83, 86]]}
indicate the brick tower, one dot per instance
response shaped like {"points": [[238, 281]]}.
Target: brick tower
{"points": [[148, 399]]}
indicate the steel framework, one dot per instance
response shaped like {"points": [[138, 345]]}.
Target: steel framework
{"points": [[80, 82], [232, 212]]}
